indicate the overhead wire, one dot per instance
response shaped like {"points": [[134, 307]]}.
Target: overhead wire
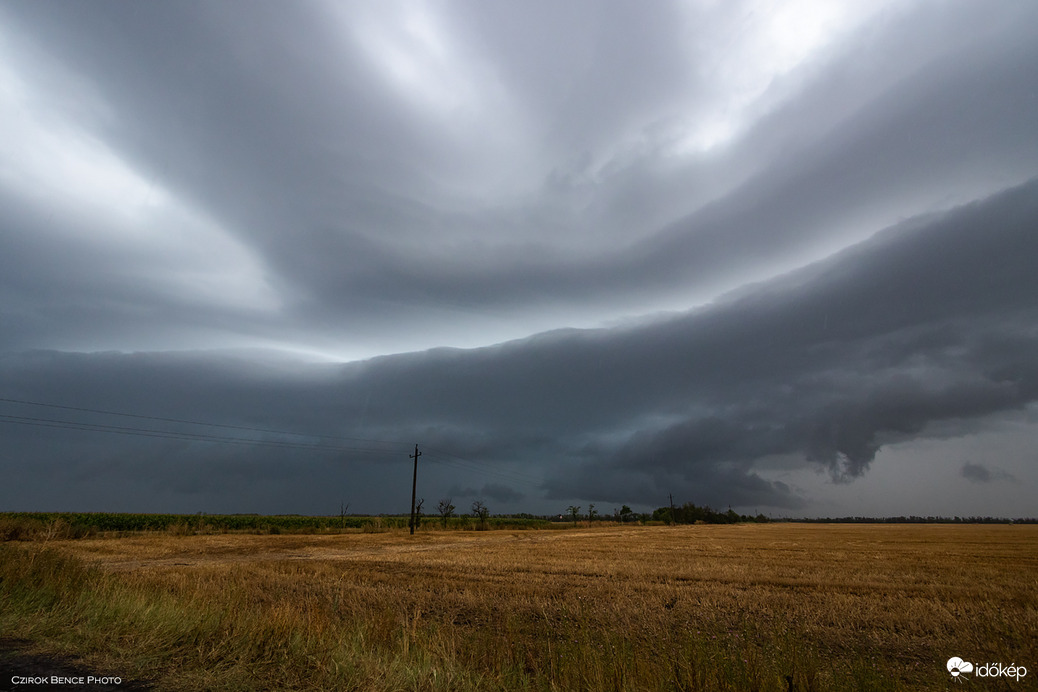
{"points": [[193, 422], [441, 453], [470, 465], [178, 435], [431, 453]]}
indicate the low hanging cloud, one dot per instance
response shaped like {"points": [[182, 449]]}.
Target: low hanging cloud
{"points": [[980, 473], [501, 493], [892, 340], [579, 252], [977, 473]]}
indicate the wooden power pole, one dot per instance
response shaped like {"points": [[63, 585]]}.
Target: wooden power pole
{"points": [[414, 483]]}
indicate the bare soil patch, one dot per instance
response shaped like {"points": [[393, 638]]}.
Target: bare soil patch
{"points": [[19, 659]]}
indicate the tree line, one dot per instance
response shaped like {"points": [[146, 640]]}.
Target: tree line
{"points": [[913, 519], [690, 513]]}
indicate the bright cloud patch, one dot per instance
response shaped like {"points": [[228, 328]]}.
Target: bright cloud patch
{"points": [[90, 196]]}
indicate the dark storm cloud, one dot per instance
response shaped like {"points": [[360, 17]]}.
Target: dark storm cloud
{"points": [[358, 179], [980, 473], [493, 491], [928, 326], [501, 493], [976, 473]]}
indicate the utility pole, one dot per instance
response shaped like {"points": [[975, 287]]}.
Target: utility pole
{"points": [[673, 519], [414, 482]]}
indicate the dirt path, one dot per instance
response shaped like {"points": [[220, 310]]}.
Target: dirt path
{"points": [[23, 669]]}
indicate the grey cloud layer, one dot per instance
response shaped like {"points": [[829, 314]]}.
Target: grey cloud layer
{"points": [[908, 334], [181, 180], [369, 216]]}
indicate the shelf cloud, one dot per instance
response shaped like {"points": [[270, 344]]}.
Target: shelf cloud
{"points": [[738, 253]]}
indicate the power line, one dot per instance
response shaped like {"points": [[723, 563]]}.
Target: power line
{"points": [[476, 467], [458, 458], [442, 456], [414, 484], [177, 435], [193, 422]]}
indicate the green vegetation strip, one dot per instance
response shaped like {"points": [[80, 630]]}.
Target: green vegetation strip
{"points": [[32, 525]]}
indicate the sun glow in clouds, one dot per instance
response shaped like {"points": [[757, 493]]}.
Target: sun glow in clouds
{"points": [[750, 55], [416, 56]]}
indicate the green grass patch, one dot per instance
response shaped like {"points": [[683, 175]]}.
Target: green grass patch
{"points": [[64, 525]]}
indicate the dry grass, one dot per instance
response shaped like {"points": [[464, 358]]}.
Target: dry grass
{"points": [[701, 607]]}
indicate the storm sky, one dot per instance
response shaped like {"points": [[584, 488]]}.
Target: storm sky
{"points": [[778, 256]]}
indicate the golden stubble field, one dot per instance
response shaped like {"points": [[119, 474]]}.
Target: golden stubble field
{"points": [[738, 607]]}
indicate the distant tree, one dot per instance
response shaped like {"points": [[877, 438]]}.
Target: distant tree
{"points": [[343, 508], [480, 511], [662, 514], [690, 513], [591, 513], [446, 510], [626, 513], [574, 512]]}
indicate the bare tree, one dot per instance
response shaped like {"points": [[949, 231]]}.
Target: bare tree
{"points": [[343, 508], [480, 511], [446, 510]]}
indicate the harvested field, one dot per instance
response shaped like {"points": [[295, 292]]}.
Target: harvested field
{"points": [[739, 607]]}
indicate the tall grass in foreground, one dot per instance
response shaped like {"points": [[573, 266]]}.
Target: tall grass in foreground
{"points": [[697, 608], [208, 635]]}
